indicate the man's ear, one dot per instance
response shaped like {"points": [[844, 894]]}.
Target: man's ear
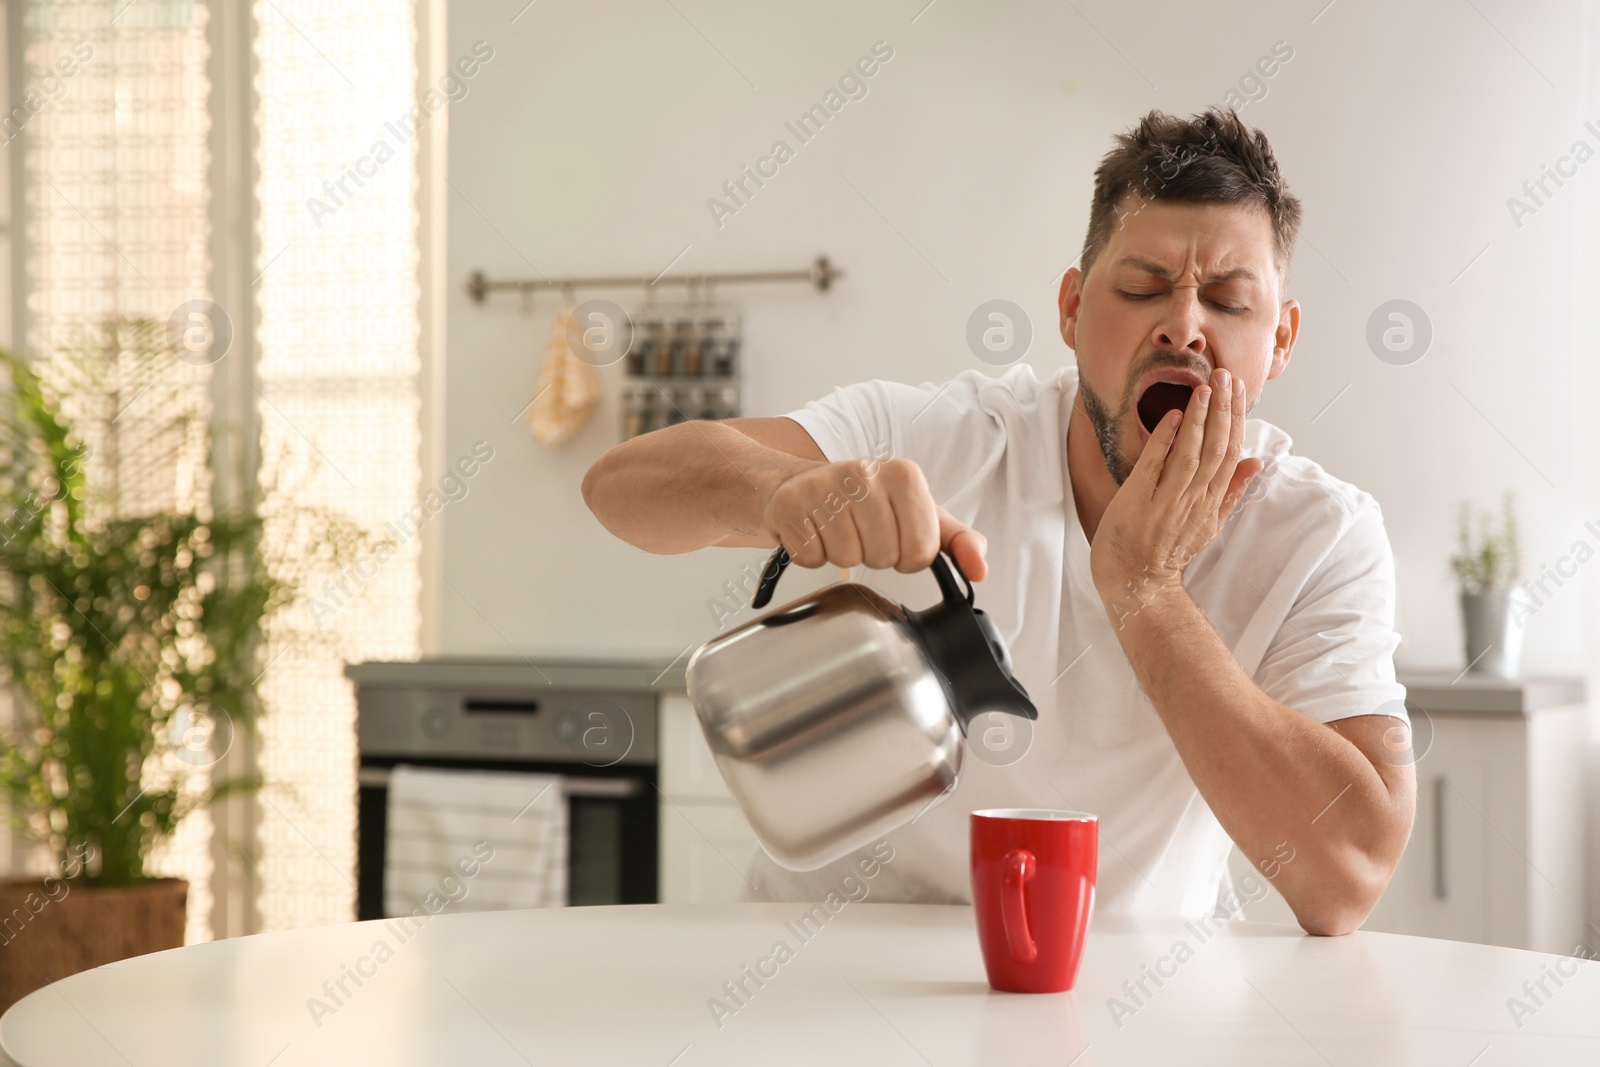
{"points": [[1069, 300], [1283, 341]]}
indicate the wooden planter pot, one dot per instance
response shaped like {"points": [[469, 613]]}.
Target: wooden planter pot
{"points": [[50, 928]]}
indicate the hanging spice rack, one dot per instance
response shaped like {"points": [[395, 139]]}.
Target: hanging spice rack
{"points": [[821, 274], [682, 363]]}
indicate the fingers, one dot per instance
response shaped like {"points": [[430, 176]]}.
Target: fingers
{"points": [[804, 544], [882, 515], [1182, 464], [1157, 451], [1229, 441], [1192, 477], [1242, 478], [1211, 447], [841, 542], [879, 528], [797, 514], [905, 492], [967, 545]]}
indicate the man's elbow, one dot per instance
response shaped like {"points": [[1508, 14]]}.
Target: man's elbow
{"points": [[1345, 906], [1333, 922], [1356, 874], [600, 488], [599, 497], [609, 489], [591, 484]]}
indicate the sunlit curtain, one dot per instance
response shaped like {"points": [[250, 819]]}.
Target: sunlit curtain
{"points": [[338, 406]]}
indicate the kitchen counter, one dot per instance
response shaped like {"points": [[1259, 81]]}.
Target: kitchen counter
{"points": [[1434, 689], [1449, 690], [465, 671], [882, 984]]}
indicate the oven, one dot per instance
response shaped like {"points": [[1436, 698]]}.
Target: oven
{"points": [[601, 741]]}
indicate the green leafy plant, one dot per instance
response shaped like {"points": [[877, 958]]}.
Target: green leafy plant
{"points": [[1493, 560], [130, 619]]}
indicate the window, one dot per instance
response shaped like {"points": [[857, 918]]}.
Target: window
{"points": [[118, 204], [338, 405], [114, 120]]}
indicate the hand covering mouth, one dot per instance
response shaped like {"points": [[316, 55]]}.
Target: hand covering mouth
{"points": [[1161, 398]]}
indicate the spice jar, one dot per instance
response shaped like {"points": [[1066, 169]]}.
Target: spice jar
{"points": [[670, 357], [725, 360], [635, 412], [694, 355], [641, 355], [672, 406]]}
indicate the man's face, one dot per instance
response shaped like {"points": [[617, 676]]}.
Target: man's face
{"points": [[1179, 290]]}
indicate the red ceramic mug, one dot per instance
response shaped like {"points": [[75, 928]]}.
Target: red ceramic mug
{"points": [[1033, 872]]}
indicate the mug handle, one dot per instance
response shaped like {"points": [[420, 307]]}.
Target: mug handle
{"points": [[1016, 870]]}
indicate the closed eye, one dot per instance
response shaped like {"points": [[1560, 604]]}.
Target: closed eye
{"points": [[1229, 308]]}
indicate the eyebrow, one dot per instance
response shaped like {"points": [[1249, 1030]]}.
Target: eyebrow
{"points": [[1152, 267]]}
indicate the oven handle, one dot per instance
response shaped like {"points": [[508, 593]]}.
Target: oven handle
{"points": [[378, 777]]}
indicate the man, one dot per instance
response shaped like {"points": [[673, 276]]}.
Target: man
{"points": [[1204, 619]]}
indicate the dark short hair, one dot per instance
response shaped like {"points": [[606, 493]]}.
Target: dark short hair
{"points": [[1209, 158]]}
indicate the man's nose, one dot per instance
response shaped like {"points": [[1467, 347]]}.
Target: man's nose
{"points": [[1179, 329]]}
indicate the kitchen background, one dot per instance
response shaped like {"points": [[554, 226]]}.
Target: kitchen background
{"points": [[964, 175], [338, 174]]}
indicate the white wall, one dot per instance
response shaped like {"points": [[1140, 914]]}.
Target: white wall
{"points": [[1585, 383], [592, 140]]}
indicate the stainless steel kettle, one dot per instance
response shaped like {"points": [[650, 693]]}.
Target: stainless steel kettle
{"points": [[841, 716]]}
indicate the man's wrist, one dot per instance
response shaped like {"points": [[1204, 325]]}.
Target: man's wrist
{"points": [[1136, 595], [769, 478]]}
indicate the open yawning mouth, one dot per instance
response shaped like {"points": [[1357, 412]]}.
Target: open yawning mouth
{"points": [[1161, 398]]}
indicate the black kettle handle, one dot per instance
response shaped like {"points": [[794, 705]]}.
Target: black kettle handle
{"points": [[780, 559]]}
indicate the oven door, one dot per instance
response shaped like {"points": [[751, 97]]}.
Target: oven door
{"points": [[612, 819]]}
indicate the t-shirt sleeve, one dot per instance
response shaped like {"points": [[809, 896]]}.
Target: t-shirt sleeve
{"points": [[881, 419], [1333, 657]]}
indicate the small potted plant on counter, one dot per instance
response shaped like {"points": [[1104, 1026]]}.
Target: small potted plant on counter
{"points": [[129, 639], [1486, 569]]}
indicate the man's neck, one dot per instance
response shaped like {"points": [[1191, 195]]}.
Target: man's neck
{"points": [[1092, 484]]}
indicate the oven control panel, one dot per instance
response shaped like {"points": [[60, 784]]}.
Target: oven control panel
{"points": [[597, 728]]}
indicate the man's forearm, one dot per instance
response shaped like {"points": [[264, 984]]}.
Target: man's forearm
{"points": [[1272, 775], [686, 487]]}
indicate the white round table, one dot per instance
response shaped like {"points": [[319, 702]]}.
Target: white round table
{"points": [[874, 984]]}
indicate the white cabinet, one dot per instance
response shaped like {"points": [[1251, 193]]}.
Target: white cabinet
{"points": [[705, 847], [1496, 855], [705, 842]]}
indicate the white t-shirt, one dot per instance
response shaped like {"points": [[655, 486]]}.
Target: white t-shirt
{"points": [[1299, 584]]}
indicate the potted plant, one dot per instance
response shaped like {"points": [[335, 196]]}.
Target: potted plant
{"points": [[1486, 569], [129, 637]]}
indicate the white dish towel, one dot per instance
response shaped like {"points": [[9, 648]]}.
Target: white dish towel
{"points": [[508, 829]]}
